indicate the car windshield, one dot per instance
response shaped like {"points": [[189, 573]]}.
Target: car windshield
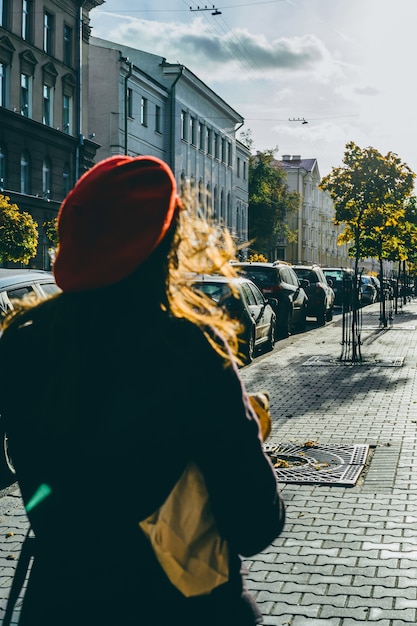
{"points": [[216, 291], [306, 274], [335, 275], [259, 275]]}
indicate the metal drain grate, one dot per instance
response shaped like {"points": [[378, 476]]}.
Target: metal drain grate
{"points": [[396, 361], [313, 463]]}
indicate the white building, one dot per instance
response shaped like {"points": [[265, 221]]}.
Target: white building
{"points": [[317, 233], [141, 104]]}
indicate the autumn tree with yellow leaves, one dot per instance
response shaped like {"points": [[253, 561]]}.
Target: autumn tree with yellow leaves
{"points": [[18, 233], [370, 192]]}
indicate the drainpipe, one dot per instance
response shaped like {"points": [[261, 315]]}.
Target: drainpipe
{"points": [[128, 75], [172, 120]]}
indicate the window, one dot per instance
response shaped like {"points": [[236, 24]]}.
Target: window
{"points": [[244, 170], [157, 119], [216, 145], [24, 173], [47, 116], [238, 167], [68, 45], [208, 140], [26, 95], [229, 221], [4, 84], [5, 13], [184, 127], [201, 136], [27, 7], [216, 204], [229, 154], [46, 179], [129, 102], [223, 156], [48, 32], [222, 207], [193, 125], [67, 106], [144, 111]]}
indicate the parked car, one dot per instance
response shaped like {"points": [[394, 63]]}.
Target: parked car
{"points": [[319, 291], [16, 284], [242, 299], [368, 290], [279, 281], [343, 282]]}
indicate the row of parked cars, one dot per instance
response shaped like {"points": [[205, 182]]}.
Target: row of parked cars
{"points": [[272, 300]]}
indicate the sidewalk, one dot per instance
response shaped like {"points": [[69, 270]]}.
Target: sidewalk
{"points": [[348, 554]]}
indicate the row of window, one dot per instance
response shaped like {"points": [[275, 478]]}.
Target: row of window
{"points": [[27, 28], [26, 99], [26, 175], [215, 205], [205, 139]]}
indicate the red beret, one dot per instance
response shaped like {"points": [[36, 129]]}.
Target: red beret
{"points": [[111, 221]]}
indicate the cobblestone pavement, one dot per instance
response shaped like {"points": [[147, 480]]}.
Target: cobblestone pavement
{"points": [[348, 553]]}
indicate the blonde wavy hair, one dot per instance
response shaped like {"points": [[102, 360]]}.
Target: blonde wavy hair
{"points": [[202, 247]]}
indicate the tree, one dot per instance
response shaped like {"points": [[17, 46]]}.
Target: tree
{"points": [[269, 203], [369, 193], [18, 233]]}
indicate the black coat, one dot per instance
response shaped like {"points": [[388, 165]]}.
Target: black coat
{"points": [[107, 414]]}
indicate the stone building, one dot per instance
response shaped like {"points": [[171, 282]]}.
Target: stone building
{"points": [[44, 131]]}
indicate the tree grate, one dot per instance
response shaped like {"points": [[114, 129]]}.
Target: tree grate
{"points": [[396, 361], [314, 463]]}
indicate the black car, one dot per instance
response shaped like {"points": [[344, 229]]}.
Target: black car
{"points": [[16, 284], [246, 303], [278, 280], [319, 292], [343, 282]]}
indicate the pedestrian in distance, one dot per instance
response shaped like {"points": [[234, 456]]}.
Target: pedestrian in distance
{"points": [[110, 388]]}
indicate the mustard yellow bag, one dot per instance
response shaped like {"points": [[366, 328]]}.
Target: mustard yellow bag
{"points": [[185, 539], [183, 531]]}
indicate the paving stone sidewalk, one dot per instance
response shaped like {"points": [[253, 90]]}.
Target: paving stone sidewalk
{"points": [[348, 554]]}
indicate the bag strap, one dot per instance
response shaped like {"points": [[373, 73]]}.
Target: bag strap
{"points": [[26, 553]]}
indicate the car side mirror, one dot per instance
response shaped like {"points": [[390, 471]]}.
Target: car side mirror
{"points": [[273, 302]]}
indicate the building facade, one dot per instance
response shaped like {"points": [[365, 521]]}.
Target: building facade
{"points": [[146, 105], [44, 131], [316, 232]]}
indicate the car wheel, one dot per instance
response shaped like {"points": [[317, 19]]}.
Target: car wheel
{"points": [[284, 324], [7, 477], [302, 323], [271, 337], [249, 349], [321, 317]]}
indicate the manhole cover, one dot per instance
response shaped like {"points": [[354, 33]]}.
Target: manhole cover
{"points": [[311, 462], [382, 361]]}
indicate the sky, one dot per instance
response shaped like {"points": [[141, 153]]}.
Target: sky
{"points": [[346, 67]]}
